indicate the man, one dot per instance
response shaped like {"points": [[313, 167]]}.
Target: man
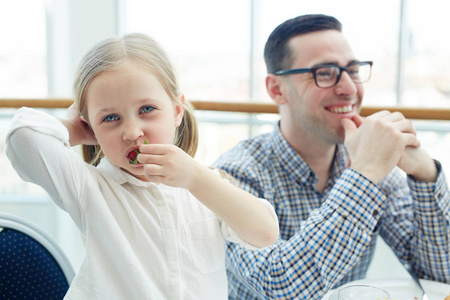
{"points": [[332, 176]]}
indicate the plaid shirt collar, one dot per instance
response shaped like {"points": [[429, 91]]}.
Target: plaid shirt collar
{"points": [[294, 164]]}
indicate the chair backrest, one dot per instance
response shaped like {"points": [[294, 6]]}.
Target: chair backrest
{"points": [[32, 266]]}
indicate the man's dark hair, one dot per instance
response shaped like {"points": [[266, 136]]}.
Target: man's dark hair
{"points": [[277, 53]]}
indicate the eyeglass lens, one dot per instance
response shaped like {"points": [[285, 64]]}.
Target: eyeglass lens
{"points": [[328, 76]]}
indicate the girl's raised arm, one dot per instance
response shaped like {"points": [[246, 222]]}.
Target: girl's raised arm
{"points": [[252, 219], [247, 215], [79, 131]]}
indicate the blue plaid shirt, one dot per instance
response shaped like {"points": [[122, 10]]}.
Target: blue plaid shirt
{"points": [[328, 238]]}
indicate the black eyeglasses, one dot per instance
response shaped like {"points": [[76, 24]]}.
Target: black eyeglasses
{"points": [[328, 75]]}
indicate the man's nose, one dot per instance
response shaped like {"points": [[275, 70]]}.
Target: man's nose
{"points": [[346, 84]]}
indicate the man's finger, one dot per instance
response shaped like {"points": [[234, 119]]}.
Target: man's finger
{"points": [[349, 127], [357, 120]]}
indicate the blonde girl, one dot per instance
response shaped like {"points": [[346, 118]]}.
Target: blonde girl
{"points": [[154, 219]]}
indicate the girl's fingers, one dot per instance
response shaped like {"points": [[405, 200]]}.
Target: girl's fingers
{"points": [[152, 170], [158, 149], [151, 149], [155, 159], [154, 179]]}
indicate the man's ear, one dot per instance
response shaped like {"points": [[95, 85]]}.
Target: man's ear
{"points": [[274, 86], [179, 109]]}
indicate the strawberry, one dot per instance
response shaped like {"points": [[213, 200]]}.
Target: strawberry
{"points": [[133, 155]]}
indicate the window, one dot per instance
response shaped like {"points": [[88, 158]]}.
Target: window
{"points": [[218, 48], [426, 82], [206, 40], [22, 72], [23, 49]]}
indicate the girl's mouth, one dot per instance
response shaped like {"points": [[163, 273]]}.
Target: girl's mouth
{"points": [[132, 156]]}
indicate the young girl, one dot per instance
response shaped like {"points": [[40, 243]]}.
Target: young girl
{"points": [[154, 225]]}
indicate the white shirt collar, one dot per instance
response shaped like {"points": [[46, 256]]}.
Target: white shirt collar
{"points": [[120, 176]]}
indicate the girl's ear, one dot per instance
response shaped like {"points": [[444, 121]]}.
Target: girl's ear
{"points": [[179, 110], [86, 122], [82, 118], [274, 86]]}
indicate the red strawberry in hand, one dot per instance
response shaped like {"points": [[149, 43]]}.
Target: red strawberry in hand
{"points": [[132, 156]]}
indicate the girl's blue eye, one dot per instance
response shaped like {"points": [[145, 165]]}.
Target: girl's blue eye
{"points": [[110, 118], [147, 109]]}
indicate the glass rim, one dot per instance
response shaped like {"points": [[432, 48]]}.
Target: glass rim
{"points": [[342, 288]]}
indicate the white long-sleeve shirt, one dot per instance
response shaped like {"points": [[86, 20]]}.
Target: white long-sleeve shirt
{"points": [[143, 240]]}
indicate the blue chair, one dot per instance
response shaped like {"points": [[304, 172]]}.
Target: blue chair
{"points": [[32, 266]]}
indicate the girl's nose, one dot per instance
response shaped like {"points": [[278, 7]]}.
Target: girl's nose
{"points": [[132, 131]]}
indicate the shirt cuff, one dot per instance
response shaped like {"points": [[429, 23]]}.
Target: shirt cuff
{"points": [[357, 199], [429, 197], [37, 120]]}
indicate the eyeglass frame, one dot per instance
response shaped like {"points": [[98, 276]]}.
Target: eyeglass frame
{"points": [[338, 77]]}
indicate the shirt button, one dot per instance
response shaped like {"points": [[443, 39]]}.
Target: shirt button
{"points": [[375, 213]]}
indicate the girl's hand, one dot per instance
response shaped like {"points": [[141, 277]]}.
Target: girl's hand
{"points": [[79, 130], [168, 164]]}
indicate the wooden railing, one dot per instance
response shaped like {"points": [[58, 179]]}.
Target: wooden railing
{"points": [[245, 107]]}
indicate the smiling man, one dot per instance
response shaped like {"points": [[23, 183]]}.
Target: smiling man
{"points": [[333, 177]]}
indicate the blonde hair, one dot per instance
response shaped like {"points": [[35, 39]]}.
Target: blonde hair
{"points": [[112, 53]]}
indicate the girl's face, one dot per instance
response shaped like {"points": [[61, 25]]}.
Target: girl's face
{"points": [[127, 106]]}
